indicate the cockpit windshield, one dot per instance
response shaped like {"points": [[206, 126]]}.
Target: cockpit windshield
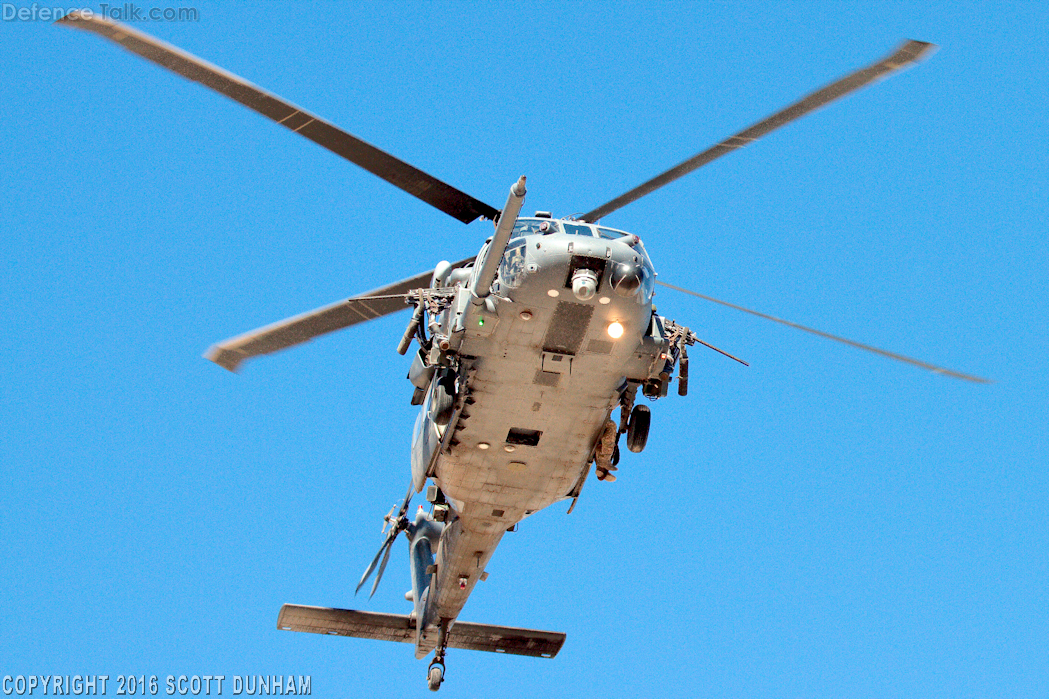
{"points": [[546, 226], [577, 229], [609, 234]]}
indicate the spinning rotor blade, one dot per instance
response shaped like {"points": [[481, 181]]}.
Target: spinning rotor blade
{"points": [[382, 569], [885, 353], [384, 551], [419, 184], [407, 500], [303, 328], [908, 53], [375, 561]]}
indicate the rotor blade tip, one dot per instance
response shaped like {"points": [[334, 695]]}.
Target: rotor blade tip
{"points": [[917, 50], [87, 19], [70, 17], [852, 343], [225, 358]]}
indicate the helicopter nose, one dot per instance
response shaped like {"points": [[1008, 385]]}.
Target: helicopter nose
{"points": [[625, 279]]}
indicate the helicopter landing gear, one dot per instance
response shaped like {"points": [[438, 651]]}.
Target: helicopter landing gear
{"points": [[435, 676], [637, 428]]}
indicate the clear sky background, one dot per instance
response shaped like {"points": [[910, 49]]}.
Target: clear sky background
{"points": [[825, 523]]}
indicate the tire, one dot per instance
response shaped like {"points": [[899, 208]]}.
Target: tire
{"points": [[637, 428], [434, 677]]}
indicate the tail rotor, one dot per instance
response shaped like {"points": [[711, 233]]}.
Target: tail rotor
{"points": [[391, 527]]}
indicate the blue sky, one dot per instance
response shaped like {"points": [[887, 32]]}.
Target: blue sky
{"points": [[824, 523]]}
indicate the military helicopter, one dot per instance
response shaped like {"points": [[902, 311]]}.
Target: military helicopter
{"points": [[524, 353]]}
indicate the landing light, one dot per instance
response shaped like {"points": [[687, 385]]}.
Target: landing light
{"points": [[615, 330]]}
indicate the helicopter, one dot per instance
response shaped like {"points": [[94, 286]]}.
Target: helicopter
{"points": [[523, 354]]}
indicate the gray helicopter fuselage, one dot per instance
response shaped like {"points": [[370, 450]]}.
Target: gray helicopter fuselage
{"points": [[539, 375], [524, 354]]}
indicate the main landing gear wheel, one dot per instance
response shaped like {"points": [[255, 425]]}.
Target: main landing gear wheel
{"points": [[637, 428], [435, 676]]}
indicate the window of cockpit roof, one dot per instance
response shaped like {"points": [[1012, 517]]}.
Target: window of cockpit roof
{"points": [[534, 226], [609, 234], [577, 229]]}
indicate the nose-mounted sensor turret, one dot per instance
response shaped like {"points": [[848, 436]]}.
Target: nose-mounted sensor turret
{"points": [[584, 284]]}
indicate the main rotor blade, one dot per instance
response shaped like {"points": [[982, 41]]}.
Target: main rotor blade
{"points": [[885, 353], [908, 53], [305, 327], [419, 184]]}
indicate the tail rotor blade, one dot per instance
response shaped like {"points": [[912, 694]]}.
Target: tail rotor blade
{"points": [[375, 561], [382, 567], [388, 519], [407, 500], [396, 527]]}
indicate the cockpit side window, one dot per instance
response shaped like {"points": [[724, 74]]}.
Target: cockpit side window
{"points": [[648, 281], [644, 254]]}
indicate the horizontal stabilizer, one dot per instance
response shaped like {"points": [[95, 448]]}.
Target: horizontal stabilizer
{"points": [[400, 627], [303, 328]]}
